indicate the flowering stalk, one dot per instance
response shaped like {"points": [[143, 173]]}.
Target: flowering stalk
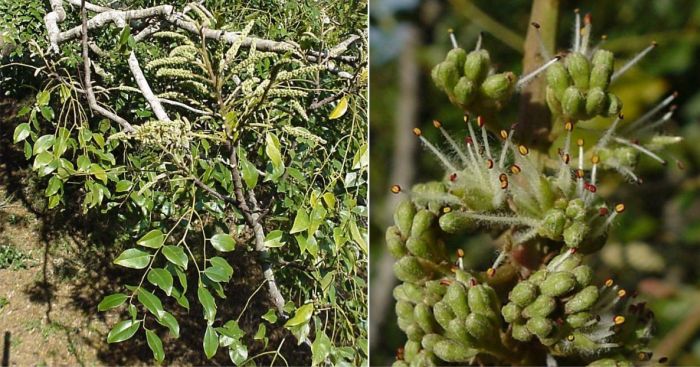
{"points": [[538, 303]]}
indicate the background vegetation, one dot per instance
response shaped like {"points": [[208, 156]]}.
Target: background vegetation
{"points": [[654, 249]]}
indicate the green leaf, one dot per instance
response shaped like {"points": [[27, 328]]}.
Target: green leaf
{"points": [[133, 258], [339, 109], [358, 237], [270, 316], [260, 334], [301, 316], [124, 185], [97, 171], [361, 159], [272, 149], [274, 239], [151, 302], [249, 172], [329, 198], [321, 348], [152, 239], [161, 278], [301, 221], [156, 345], [210, 342], [208, 303], [232, 330], [175, 255], [223, 242], [47, 113], [124, 35], [238, 353], [43, 98], [44, 143], [123, 330], [112, 301], [21, 132], [54, 185], [318, 215], [169, 321], [220, 271]]}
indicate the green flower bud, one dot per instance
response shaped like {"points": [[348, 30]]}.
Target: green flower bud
{"points": [[571, 261], [480, 327], [521, 333], [558, 284], [523, 293], [409, 269], [457, 330], [408, 292], [464, 91], [434, 291], [583, 300], [423, 315], [395, 243], [576, 209], [483, 300], [584, 275], [429, 340], [456, 298], [603, 64], [542, 307], [400, 363], [411, 350], [457, 56], [511, 312], [498, 86], [579, 69], [456, 222], [454, 352], [404, 310], [422, 222], [443, 314], [464, 277], [552, 224], [577, 320], [403, 217], [414, 332], [404, 323], [540, 326], [426, 247], [447, 76], [552, 101], [477, 65], [626, 156], [614, 106], [537, 277], [610, 362], [596, 102], [558, 79], [575, 233], [425, 358], [572, 103]]}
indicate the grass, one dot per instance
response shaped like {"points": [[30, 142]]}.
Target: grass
{"points": [[12, 258]]}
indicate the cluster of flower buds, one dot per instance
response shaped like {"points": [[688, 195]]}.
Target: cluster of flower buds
{"points": [[544, 207], [173, 134], [469, 81]]}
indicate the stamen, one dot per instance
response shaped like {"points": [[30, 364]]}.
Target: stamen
{"points": [[504, 181], [507, 138], [585, 33], [665, 118], [490, 272], [446, 209], [641, 149], [435, 151], [595, 159], [609, 282], [632, 62], [489, 163], [451, 141], [485, 137], [453, 39], [478, 42], [499, 260], [395, 189], [515, 169], [543, 49], [619, 320], [523, 150], [528, 77], [609, 132], [619, 208], [667, 101], [472, 135], [603, 211], [577, 31]]}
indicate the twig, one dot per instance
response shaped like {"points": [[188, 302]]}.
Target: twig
{"points": [[490, 25]]}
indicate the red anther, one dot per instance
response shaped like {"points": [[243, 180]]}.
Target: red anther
{"points": [[603, 211], [489, 163], [473, 282], [635, 141], [504, 184], [566, 158], [559, 321], [663, 359], [535, 24], [453, 177], [673, 107], [573, 250], [503, 177], [480, 121], [590, 187], [399, 354], [469, 140]]}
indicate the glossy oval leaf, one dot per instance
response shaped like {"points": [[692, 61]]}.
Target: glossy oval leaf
{"points": [[169, 321], [274, 239], [112, 301], [301, 221], [210, 342], [152, 239], [123, 330], [133, 258], [22, 132], [151, 302], [339, 109], [208, 303], [162, 279], [156, 345], [301, 316], [321, 348], [175, 255], [223, 242], [238, 353]]}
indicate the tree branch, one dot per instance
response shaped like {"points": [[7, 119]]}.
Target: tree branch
{"points": [[146, 89]]}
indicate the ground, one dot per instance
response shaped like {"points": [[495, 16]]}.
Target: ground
{"points": [[56, 265]]}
